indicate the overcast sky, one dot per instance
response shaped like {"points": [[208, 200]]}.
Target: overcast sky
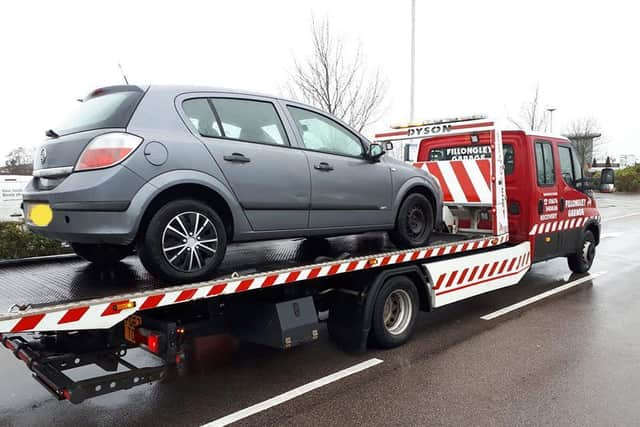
{"points": [[472, 57]]}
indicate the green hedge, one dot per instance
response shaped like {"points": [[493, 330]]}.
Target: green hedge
{"points": [[17, 242], [628, 179]]}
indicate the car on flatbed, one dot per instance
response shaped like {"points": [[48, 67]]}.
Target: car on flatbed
{"points": [[180, 172]]}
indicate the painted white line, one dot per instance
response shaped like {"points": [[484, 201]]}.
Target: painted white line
{"points": [[608, 235], [292, 394], [543, 295], [620, 217]]}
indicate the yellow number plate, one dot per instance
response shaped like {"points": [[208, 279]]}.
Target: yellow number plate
{"points": [[39, 214]]}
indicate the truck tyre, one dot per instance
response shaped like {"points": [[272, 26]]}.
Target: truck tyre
{"points": [[581, 261], [395, 312], [185, 241], [102, 254], [414, 223]]}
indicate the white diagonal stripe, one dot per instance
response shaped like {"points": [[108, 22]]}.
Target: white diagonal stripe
{"points": [[478, 181], [452, 182]]}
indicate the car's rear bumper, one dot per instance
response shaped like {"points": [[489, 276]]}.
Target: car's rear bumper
{"points": [[91, 207], [86, 226]]}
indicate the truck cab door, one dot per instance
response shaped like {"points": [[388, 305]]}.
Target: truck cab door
{"points": [[575, 204], [545, 214]]}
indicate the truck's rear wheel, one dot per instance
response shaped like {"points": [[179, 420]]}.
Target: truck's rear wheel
{"points": [[184, 241], [395, 312], [414, 223], [102, 254], [581, 261]]}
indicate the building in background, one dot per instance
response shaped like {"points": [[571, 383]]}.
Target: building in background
{"points": [[627, 160]]}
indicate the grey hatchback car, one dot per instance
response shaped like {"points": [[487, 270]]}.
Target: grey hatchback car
{"points": [[179, 172]]}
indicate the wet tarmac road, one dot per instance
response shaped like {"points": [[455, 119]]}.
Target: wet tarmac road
{"points": [[571, 359]]}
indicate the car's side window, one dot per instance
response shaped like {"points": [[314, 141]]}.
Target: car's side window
{"points": [[200, 115], [320, 133], [249, 120]]}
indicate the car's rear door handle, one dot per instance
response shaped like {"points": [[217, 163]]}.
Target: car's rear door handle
{"points": [[323, 166], [237, 158]]}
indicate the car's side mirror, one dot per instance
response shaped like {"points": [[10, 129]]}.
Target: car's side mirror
{"points": [[375, 151]]}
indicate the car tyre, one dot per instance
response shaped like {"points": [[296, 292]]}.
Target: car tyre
{"points": [[581, 261], [185, 241], [102, 254], [414, 223], [395, 312]]}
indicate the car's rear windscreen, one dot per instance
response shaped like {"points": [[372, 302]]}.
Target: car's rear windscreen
{"points": [[103, 108]]}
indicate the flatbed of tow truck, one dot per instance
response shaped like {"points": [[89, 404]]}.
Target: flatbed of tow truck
{"points": [[39, 285]]}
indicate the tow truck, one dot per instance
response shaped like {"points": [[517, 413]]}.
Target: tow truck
{"points": [[510, 202]]}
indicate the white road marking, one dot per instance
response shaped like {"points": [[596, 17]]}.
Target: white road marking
{"points": [[615, 234], [620, 217], [543, 295], [292, 394]]}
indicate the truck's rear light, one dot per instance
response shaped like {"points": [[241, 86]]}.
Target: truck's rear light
{"points": [[153, 343], [107, 150]]}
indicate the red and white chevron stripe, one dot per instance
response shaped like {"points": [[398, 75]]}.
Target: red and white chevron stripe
{"points": [[458, 279], [107, 312], [462, 181], [565, 224]]}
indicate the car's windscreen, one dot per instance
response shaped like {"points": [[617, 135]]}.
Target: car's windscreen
{"points": [[108, 110]]}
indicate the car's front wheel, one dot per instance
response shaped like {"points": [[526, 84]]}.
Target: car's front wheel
{"points": [[102, 254], [185, 241], [414, 223]]}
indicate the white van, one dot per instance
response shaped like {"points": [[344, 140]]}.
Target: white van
{"points": [[11, 187]]}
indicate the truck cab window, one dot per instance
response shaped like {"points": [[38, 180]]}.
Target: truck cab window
{"points": [[473, 152], [566, 165], [570, 167], [544, 164]]}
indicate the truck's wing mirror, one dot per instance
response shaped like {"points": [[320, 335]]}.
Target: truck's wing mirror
{"points": [[388, 146], [375, 151]]}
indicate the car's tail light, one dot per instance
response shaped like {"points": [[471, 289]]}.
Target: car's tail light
{"points": [[107, 150]]}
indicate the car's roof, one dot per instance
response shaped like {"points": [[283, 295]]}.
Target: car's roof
{"points": [[181, 89]]}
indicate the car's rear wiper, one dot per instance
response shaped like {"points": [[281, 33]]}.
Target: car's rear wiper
{"points": [[52, 134]]}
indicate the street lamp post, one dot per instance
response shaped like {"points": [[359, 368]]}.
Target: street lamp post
{"points": [[413, 59], [551, 110]]}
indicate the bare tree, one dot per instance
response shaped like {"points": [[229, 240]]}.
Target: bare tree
{"points": [[19, 162], [532, 114], [334, 78], [585, 135]]}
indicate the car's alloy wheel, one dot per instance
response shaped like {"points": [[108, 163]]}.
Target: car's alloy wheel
{"points": [[185, 241], [189, 241]]}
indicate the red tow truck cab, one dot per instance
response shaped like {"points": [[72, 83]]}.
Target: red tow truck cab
{"points": [[548, 201]]}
